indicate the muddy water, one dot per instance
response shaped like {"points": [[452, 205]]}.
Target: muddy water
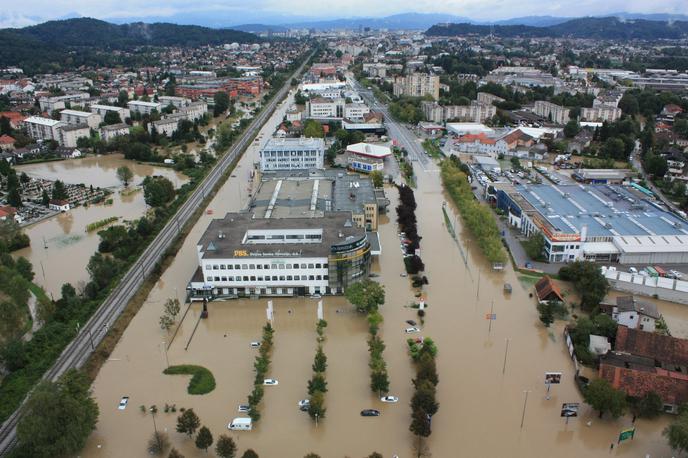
{"points": [[61, 246], [480, 408]]}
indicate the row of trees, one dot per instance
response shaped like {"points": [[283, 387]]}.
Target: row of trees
{"points": [[379, 378], [478, 218], [261, 366], [423, 403], [317, 385], [15, 283], [406, 219]]}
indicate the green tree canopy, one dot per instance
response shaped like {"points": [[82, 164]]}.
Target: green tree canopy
{"points": [[225, 447], [58, 417], [366, 295], [158, 191], [204, 439], [188, 422], [601, 396]]}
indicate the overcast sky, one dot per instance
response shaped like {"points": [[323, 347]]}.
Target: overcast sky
{"points": [[20, 13]]}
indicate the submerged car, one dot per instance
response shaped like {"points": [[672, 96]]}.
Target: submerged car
{"points": [[304, 402], [411, 329], [255, 344], [389, 399], [270, 382], [370, 413], [411, 322], [244, 408], [123, 403]]}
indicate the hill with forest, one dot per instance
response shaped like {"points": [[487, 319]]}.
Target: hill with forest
{"points": [[606, 28], [56, 44]]}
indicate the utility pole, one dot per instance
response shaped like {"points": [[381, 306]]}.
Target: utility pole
{"points": [[489, 329], [506, 350], [164, 347], [477, 294], [525, 402]]}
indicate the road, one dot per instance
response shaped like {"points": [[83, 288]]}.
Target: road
{"points": [[635, 161], [396, 130], [91, 333]]}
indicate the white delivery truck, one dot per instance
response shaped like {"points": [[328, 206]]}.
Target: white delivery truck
{"points": [[241, 424]]}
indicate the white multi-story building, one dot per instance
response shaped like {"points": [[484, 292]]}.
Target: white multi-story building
{"points": [[292, 154], [74, 118], [552, 111], [70, 134], [194, 111], [322, 108], [58, 102], [475, 112], [488, 99], [356, 110], [240, 256], [102, 110], [417, 85], [139, 106], [177, 102], [107, 133], [40, 128], [167, 125], [601, 113]]}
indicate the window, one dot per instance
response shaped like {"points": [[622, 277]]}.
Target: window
{"points": [[230, 267], [318, 277], [259, 266], [311, 266], [288, 266], [252, 266], [253, 278], [324, 266], [317, 266], [217, 278], [209, 278], [281, 277], [296, 277], [215, 267], [274, 266], [326, 277], [260, 278], [311, 277], [244, 266], [288, 277], [230, 278], [245, 278], [266, 266], [237, 266], [274, 278], [208, 267], [222, 267], [224, 278]]}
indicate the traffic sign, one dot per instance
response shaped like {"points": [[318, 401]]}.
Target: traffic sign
{"points": [[490, 316], [626, 434]]}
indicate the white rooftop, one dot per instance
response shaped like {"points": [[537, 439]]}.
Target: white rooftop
{"points": [[368, 149], [84, 114], [143, 104], [537, 132], [652, 243], [462, 128], [41, 120]]}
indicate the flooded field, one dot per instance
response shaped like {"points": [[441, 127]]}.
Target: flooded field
{"points": [[61, 246], [481, 406]]}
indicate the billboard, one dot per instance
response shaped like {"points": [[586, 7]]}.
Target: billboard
{"points": [[569, 409], [552, 378]]}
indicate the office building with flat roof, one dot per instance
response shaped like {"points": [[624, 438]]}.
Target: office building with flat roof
{"points": [[243, 256], [606, 223], [292, 154]]}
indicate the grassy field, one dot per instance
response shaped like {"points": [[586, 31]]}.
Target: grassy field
{"points": [[202, 380]]}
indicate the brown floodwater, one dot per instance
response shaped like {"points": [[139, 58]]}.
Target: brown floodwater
{"points": [[480, 407], [61, 246]]}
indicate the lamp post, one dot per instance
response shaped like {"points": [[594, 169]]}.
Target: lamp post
{"points": [[525, 402], [164, 347], [153, 411]]}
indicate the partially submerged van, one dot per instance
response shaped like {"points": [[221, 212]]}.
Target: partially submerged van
{"points": [[241, 424]]}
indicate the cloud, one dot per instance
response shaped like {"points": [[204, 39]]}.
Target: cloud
{"points": [[13, 14]]}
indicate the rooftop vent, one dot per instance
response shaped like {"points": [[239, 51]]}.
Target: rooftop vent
{"points": [[221, 235], [211, 247]]}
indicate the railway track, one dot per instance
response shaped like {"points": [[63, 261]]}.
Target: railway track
{"points": [[91, 334]]}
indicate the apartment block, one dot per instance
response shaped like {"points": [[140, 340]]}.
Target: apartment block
{"points": [[417, 85]]}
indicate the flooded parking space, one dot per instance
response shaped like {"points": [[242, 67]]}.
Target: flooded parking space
{"points": [[480, 406]]}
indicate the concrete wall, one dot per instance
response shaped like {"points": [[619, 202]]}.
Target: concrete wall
{"points": [[665, 288]]}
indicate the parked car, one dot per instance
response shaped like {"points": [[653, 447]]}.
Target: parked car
{"points": [[370, 413], [389, 399], [255, 344], [123, 403], [633, 270], [244, 407], [270, 382], [411, 330]]}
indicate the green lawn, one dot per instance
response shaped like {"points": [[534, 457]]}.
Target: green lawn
{"points": [[202, 381]]}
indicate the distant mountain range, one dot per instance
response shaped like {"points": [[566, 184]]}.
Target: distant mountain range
{"points": [[50, 45], [589, 27]]}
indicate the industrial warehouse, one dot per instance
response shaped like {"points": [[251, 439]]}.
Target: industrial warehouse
{"points": [[606, 223], [243, 256]]}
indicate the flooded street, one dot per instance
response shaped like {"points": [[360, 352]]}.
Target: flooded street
{"points": [[480, 407], [64, 237]]}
